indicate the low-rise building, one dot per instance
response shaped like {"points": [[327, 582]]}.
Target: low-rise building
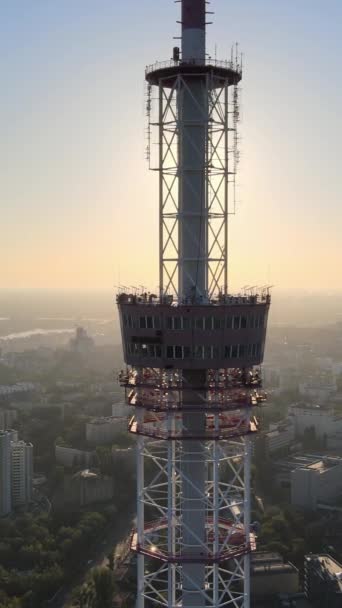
{"points": [[322, 419], [319, 387], [292, 600], [7, 417], [20, 389], [280, 436], [323, 581], [334, 441], [317, 482], [70, 457], [102, 431], [87, 487], [284, 467], [119, 409], [270, 575]]}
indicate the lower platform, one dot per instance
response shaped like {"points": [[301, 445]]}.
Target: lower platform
{"points": [[155, 426], [231, 542]]}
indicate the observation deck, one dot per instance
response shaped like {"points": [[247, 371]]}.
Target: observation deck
{"points": [[225, 390], [228, 332], [231, 543], [168, 71], [228, 427]]}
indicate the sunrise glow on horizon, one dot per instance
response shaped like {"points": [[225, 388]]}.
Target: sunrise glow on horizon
{"points": [[79, 207]]}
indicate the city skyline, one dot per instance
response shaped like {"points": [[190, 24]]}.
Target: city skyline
{"points": [[71, 142]]}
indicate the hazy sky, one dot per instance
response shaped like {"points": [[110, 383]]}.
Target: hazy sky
{"points": [[78, 206]]}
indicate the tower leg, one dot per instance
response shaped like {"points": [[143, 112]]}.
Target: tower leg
{"points": [[247, 521]]}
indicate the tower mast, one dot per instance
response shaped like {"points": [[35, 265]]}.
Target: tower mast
{"points": [[193, 352]]}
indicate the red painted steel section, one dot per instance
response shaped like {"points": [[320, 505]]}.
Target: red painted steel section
{"points": [[193, 14]]}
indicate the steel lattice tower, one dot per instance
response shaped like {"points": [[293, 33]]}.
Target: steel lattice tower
{"points": [[193, 351]]}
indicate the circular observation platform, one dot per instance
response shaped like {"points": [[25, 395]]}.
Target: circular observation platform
{"points": [[225, 400], [170, 335], [231, 540], [167, 72], [160, 391], [155, 426], [166, 380]]}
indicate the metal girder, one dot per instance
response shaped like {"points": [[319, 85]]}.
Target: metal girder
{"points": [[219, 121], [159, 542]]}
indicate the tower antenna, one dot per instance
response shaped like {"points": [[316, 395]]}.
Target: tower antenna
{"points": [[193, 352]]}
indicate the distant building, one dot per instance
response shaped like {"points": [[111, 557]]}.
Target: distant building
{"points": [[81, 342], [280, 436], [334, 441], [323, 420], [7, 417], [124, 457], [70, 457], [19, 390], [319, 387], [270, 575], [323, 581], [5, 473], [317, 482], [289, 378], [21, 472], [119, 409], [88, 487], [16, 472], [292, 600], [101, 431]]}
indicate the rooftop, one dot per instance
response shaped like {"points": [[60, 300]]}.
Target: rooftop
{"points": [[86, 474], [317, 462], [269, 563], [247, 299], [329, 565], [103, 420]]}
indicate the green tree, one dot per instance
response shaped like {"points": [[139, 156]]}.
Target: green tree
{"points": [[111, 561], [104, 587]]}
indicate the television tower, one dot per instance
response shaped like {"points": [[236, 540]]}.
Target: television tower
{"points": [[193, 351]]}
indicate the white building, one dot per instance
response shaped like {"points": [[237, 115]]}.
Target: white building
{"points": [[19, 388], [21, 472], [317, 482], [11, 472], [280, 436], [7, 417], [319, 387], [5, 473], [101, 431], [323, 420]]}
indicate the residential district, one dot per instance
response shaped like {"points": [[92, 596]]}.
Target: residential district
{"points": [[67, 474]]}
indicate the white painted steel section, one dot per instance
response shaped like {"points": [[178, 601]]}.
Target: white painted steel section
{"points": [[171, 511], [215, 498], [247, 521], [198, 491], [140, 518], [223, 582], [196, 184]]}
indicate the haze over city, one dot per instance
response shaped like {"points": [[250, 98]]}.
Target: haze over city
{"points": [[170, 371], [77, 199]]}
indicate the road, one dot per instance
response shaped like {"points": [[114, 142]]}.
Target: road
{"points": [[113, 535]]}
